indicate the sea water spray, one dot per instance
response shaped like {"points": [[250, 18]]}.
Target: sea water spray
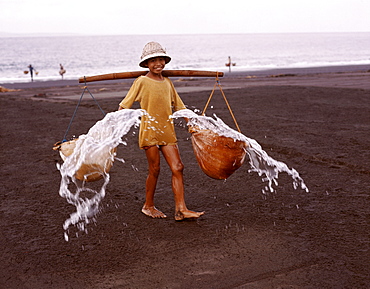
{"points": [[97, 146], [259, 160]]}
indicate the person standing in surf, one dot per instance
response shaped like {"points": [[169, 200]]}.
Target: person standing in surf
{"points": [[30, 67], [157, 95], [61, 70]]}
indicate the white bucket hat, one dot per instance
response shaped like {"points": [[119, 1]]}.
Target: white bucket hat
{"points": [[151, 50]]}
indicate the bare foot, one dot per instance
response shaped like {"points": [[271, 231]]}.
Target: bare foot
{"points": [[189, 215], [153, 212]]}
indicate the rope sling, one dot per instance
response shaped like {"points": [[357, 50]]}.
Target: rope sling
{"points": [[77, 106], [218, 84]]}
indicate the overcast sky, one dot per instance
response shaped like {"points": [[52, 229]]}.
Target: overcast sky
{"points": [[183, 17]]}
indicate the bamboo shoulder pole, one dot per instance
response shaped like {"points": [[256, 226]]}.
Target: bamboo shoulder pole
{"points": [[135, 74]]}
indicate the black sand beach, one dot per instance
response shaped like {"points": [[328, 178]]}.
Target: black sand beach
{"points": [[316, 121]]}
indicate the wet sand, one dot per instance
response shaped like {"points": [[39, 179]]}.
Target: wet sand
{"points": [[316, 121]]}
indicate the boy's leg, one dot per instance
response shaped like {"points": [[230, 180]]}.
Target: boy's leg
{"points": [[153, 157], [172, 156]]}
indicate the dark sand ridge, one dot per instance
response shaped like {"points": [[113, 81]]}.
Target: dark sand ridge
{"points": [[316, 122]]}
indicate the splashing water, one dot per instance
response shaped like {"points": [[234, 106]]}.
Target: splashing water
{"points": [[96, 147], [259, 160]]}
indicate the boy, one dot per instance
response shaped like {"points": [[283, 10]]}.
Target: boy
{"points": [[158, 96]]}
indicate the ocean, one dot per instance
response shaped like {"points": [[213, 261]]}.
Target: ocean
{"points": [[93, 55]]}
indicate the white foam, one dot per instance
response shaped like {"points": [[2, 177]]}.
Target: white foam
{"points": [[94, 147]]}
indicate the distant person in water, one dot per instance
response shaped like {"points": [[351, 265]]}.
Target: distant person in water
{"points": [[62, 70], [30, 67], [157, 95]]}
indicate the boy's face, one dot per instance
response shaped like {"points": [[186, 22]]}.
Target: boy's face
{"points": [[156, 64]]}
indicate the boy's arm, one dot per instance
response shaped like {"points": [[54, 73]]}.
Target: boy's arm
{"points": [[130, 96]]}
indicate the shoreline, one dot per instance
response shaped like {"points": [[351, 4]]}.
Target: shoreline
{"points": [[227, 75]]}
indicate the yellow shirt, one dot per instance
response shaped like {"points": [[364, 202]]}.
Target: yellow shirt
{"points": [[158, 98]]}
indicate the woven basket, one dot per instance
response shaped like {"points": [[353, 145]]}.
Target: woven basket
{"points": [[88, 172], [218, 156]]}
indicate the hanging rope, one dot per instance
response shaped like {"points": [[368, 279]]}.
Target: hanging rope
{"points": [[78, 104], [218, 84]]}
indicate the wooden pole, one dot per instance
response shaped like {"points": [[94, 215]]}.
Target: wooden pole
{"points": [[135, 74]]}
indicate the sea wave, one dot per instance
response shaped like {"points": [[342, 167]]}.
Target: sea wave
{"points": [[94, 55]]}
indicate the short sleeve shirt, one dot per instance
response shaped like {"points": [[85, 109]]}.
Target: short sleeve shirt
{"points": [[159, 99]]}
